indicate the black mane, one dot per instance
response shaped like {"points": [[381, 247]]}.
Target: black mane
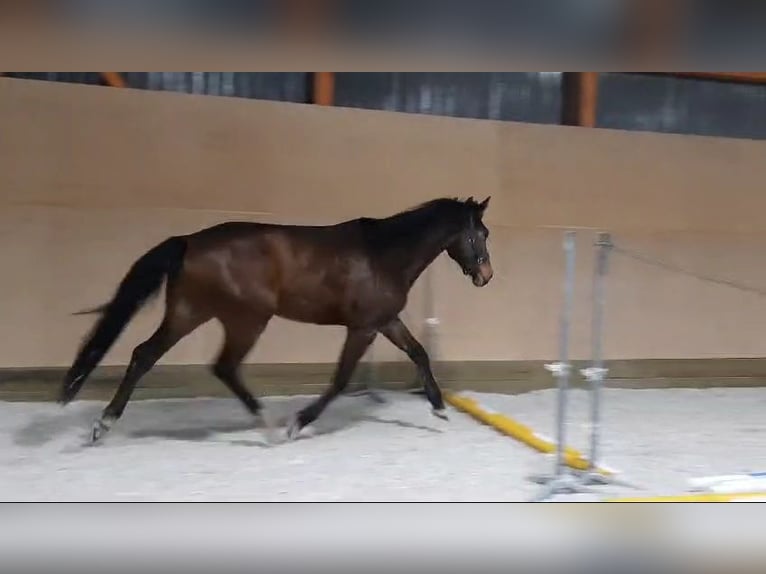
{"points": [[443, 211]]}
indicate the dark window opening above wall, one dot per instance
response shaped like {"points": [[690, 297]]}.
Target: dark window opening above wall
{"points": [[90, 78], [627, 101], [281, 86], [670, 104], [516, 96]]}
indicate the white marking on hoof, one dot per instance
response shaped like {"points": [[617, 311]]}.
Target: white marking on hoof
{"points": [[440, 413], [100, 428], [269, 426], [293, 430]]}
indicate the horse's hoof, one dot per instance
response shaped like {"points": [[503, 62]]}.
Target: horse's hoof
{"points": [[269, 428], [100, 428], [440, 413], [294, 429]]}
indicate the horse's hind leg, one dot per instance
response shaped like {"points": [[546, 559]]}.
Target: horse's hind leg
{"points": [[174, 327], [398, 333], [240, 336]]}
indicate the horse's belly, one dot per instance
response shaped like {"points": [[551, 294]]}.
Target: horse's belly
{"points": [[309, 309], [353, 311], [313, 316]]}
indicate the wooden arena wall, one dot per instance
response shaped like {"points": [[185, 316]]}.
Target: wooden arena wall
{"points": [[91, 177]]}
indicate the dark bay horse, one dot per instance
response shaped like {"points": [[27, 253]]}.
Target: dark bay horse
{"points": [[356, 274]]}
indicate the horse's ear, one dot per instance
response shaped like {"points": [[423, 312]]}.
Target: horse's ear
{"points": [[483, 205], [470, 201]]}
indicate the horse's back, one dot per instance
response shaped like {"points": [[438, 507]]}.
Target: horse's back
{"points": [[312, 274]]}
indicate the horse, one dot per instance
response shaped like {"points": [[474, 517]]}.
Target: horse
{"points": [[355, 274]]}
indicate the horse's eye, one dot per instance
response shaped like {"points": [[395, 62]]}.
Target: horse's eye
{"points": [[470, 240]]}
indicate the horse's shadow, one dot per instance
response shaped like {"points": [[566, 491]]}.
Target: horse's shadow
{"points": [[399, 423], [45, 428], [207, 420]]}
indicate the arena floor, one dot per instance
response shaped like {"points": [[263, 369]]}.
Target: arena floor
{"points": [[209, 450]]}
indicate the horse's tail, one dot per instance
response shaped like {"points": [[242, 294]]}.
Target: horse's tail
{"points": [[143, 280]]}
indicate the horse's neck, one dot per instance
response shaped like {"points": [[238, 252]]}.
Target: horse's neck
{"points": [[420, 254], [410, 242]]}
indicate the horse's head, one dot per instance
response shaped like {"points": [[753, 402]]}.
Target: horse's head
{"points": [[469, 247]]}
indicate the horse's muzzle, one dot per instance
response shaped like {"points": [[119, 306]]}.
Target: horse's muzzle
{"points": [[483, 275]]}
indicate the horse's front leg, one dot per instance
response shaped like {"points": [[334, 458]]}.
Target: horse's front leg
{"points": [[398, 333], [357, 342]]}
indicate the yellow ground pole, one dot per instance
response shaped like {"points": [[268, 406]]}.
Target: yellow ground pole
{"points": [[697, 497], [574, 459], [522, 433]]}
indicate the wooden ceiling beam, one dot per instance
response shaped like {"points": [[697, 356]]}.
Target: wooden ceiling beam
{"points": [[739, 77]]}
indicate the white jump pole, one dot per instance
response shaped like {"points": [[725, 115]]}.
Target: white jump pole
{"points": [[730, 483]]}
